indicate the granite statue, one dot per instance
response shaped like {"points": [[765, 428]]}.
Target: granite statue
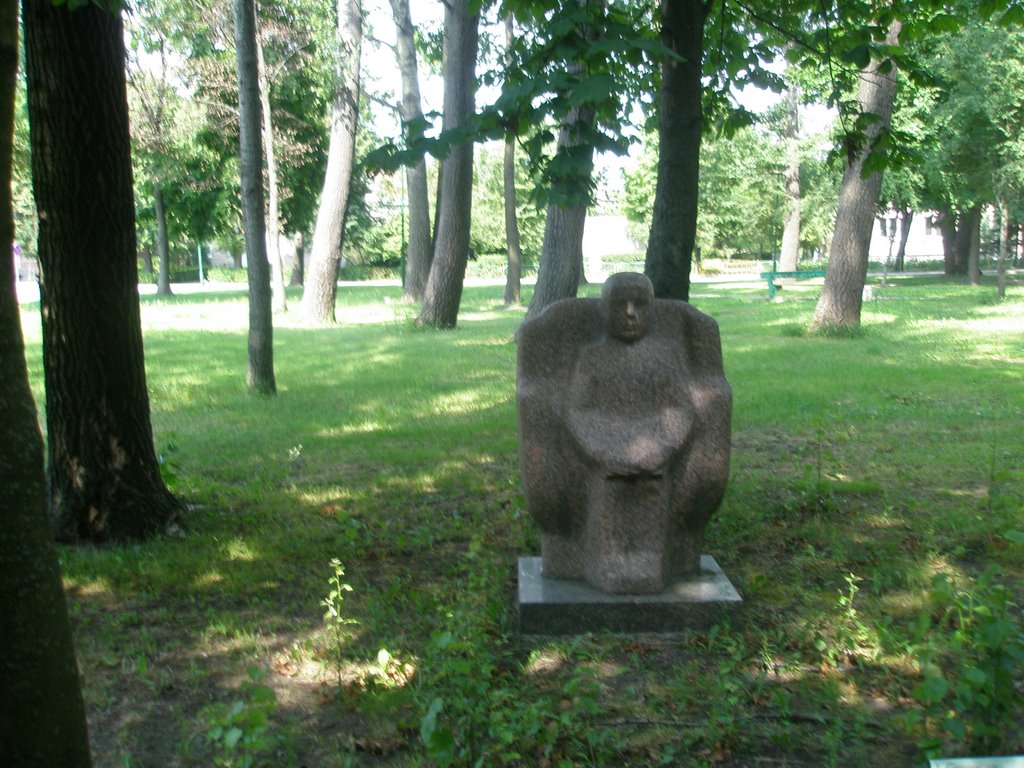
{"points": [[624, 435]]}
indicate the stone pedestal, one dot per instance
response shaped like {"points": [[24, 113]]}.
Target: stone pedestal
{"points": [[550, 606]]}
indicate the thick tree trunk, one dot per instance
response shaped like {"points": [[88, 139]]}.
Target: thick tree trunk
{"points": [[451, 246], [104, 479], [839, 305], [968, 227], [279, 301], [789, 255], [300, 259], [947, 227], [163, 280], [971, 228], [906, 219], [44, 717], [260, 377], [514, 270], [561, 260], [561, 256], [420, 250], [674, 218], [321, 283]]}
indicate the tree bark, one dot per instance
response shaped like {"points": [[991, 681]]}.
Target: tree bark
{"points": [[420, 249], [561, 256], [44, 715], [674, 218], [839, 305], [451, 247], [789, 255], [561, 260], [260, 376], [163, 280], [298, 268], [947, 227], [906, 219], [514, 270], [1004, 243], [321, 283], [104, 479], [972, 243], [279, 300], [968, 223]]}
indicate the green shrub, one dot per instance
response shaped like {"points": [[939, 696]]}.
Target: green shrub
{"points": [[971, 654]]}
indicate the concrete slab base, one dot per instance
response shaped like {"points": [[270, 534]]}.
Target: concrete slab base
{"points": [[556, 607]]}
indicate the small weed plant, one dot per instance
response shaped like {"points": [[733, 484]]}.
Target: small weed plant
{"points": [[971, 654], [334, 617], [478, 706], [240, 732]]}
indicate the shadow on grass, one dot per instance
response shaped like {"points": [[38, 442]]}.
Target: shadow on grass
{"points": [[884, 458]]}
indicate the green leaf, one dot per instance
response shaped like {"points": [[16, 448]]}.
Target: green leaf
{"points": [[955, 728], [932, 690], [1013, 17], [1014, 537], [232, 737], [859, 56], [975, 676]]}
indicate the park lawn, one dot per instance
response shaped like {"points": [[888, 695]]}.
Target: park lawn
{"points": [[862, 468]]}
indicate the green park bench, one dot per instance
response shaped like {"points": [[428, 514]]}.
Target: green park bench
{"points": [[771, 277]]}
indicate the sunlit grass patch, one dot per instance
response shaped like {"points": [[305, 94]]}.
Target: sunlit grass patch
{"points": [[878, 460]]}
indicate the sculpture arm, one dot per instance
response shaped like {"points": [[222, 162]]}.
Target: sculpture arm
{"points": [[627, 446]]}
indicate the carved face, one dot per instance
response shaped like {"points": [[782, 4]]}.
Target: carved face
{"points": [[628, 304]]}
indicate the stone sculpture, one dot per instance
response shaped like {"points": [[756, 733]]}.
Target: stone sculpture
{"points": [[624, 435]]}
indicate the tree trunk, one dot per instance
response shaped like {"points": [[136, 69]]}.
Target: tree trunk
{"points": [[561, 260], [147, 261], [451, 247], [44, 717], [300, 258], [1004, 244], [163, 280], [321, 283], [420, 250], [104, 480], [906, 219], [972, 243], [514, 270], [260, 377], [279, 300], [947, 227], [839, 305], [789, 255], [561, 256], [674, 218]]}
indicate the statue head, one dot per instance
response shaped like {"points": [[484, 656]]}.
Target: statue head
{"points": [[628, 299]]}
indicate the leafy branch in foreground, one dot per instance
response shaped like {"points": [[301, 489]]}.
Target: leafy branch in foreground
{"points": [[971, 655]]}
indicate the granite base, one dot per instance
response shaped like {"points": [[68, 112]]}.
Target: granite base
{"points": [[557, 607]]}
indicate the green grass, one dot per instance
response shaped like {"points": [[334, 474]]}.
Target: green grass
{"points": [[861, 468]]}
